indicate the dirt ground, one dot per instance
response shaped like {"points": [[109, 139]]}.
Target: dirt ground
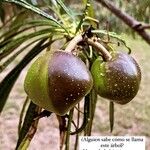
{"points": [[131, 119]]}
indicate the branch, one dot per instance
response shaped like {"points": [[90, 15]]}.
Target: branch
{"points": [[146, 26], [127, 19]]}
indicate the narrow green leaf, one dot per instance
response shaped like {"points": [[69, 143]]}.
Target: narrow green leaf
{"points": [[83, 16], [30, 124], [84, 2], [29, 118], [69, 129], [8, 82], [22, 114], [27, 25], [35, 9], [114, 35], [111, 115], [91, 12], [92, 107], [10, 46], [21, 17], [66, 9], [86, 115], [24, 144], [77, 126], [2, 13], [6, 24], [90, 8], [12, 58]]}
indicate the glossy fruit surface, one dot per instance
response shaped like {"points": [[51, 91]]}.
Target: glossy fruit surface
{"points": [[58, 81], [117, 79]]}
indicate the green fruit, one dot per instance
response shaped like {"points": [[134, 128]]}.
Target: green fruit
{"points": [[58, 81], [117, 79]]}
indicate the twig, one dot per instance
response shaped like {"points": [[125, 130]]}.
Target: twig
{"points": [[77, 108], [145, 26], [111, 115], [44, 113]]}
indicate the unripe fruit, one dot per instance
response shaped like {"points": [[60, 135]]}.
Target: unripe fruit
{"points": [[117, 79], [58, 81]]}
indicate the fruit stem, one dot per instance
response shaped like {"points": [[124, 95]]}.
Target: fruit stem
{"points": [[72, 44], [100, 48]]}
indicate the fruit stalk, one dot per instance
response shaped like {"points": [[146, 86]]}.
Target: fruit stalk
{"points": [[72, 44], [100, 48]]}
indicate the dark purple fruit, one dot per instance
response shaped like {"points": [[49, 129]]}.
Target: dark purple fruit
{"points": [[58, 81], [117, 79]]}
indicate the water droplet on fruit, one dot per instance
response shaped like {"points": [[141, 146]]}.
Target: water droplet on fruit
{"points": [[116, 84]]}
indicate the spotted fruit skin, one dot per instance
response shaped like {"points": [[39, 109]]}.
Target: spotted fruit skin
{"points": [[58, 81], [117, 79]]}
